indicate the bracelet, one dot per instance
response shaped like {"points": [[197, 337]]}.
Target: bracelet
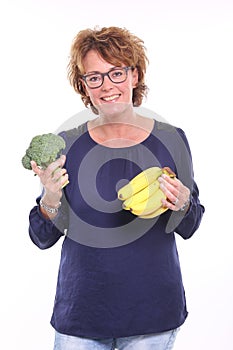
{"points": [[185, 205], [49, 209]]}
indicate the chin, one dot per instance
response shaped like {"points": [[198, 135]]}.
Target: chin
{"points": [[113, 109]]}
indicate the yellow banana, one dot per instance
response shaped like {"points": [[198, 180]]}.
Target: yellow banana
{"points": [[154, 213], [141, 195], [139, 182], [149, 205]]}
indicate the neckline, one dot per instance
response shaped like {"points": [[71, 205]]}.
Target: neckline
{"points": [[125, 147]]}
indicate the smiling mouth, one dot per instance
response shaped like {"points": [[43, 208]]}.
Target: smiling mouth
{"points": [[110, 98]]}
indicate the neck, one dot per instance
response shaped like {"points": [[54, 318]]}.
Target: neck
{"points": [[120, 131], [120, 113]]}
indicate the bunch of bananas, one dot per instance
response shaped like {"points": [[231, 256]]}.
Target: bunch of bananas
{"points": [[142, 195]]}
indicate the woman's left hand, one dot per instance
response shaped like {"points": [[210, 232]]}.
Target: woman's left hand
{"points": [[177, 194]]}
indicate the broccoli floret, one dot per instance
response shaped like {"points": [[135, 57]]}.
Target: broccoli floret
{"points": [[43, 149]]}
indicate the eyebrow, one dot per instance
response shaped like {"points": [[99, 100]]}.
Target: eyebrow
{"points": [[98, 72]]}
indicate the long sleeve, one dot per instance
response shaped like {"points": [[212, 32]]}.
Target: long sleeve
{"points": [[186, 223], [189, 222], [43, 232]]}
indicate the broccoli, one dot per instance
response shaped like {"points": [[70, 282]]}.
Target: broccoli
{"points": [[43, 149]]}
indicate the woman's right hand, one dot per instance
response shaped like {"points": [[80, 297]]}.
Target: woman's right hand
{"points": [[53, 178]]}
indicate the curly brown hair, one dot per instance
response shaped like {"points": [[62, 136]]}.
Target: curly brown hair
{"points": [[116, 46]]}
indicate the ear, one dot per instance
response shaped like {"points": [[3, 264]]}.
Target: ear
{"points": [[135, 78], [83, 87]]}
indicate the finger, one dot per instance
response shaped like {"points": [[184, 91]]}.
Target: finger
{"points": [[166, 203], [56, 186], [170, 197], [173, 181], [59, 163], [57, 174], [37, 170], [62, 159], [64, 180], [169, 190]]}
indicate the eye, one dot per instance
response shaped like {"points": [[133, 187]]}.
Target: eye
{"points": [[117, 73], [93, 78]]}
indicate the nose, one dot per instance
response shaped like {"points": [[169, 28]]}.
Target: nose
{"points": [[107, 84]]}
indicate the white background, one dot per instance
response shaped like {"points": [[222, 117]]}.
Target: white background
{"points": [[189, 44]]}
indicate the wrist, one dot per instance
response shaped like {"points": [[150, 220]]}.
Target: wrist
{"points": [[51, 209], [186, 205]]}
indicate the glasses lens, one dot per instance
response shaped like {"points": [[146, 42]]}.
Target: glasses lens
{"points": [[94, 80], [118, 75]]}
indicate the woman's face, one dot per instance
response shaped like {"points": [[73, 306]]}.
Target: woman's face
{"points": [[110, 98]]}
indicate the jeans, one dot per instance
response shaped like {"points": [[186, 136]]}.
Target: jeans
{"points": [[161, 341]]}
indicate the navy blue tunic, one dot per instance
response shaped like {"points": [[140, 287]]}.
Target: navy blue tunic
{"points": [[119, 275]]}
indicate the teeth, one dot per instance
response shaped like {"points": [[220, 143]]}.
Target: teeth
{"points": [[110, 98]]}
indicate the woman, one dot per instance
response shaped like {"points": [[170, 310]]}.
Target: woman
{"points": [[119, 282]]}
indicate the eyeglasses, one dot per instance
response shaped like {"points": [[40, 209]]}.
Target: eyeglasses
{"points": [[116, 75]]}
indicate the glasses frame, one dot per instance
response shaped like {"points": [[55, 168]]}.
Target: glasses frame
{"points": [[126, 69]]}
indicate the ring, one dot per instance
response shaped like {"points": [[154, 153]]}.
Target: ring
{"points": [[176, 201]]}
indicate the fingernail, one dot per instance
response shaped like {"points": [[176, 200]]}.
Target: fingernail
{"points": [[162, 186]]}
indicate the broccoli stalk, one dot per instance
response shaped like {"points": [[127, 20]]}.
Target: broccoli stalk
{"points": [[43, 149]]}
